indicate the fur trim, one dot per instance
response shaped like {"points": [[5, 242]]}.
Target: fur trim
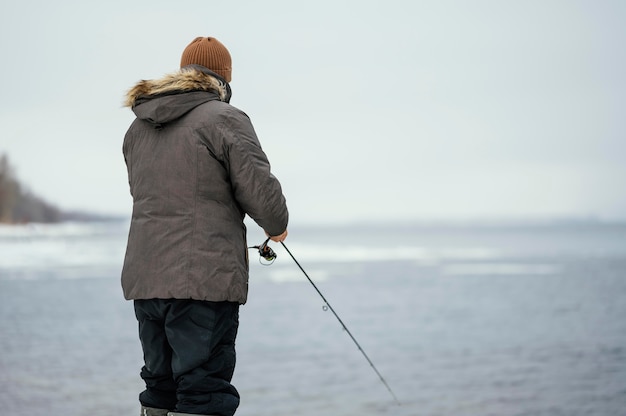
{"points": [[186, 79]]}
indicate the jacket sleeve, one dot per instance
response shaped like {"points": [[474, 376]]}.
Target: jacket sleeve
{"points": [[255, 188]]}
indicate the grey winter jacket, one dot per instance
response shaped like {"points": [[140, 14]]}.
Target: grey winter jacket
{"points": [[195, 169]]}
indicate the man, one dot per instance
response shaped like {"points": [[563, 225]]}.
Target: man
{"points": [[195, 169]]}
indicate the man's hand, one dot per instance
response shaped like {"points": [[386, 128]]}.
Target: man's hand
{"points": [[278, 238]]}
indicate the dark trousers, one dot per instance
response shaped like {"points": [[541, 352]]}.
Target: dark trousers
{"points": [[189, 355]]}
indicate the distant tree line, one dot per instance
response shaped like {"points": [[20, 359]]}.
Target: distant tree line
{"points": [[19, 205]]}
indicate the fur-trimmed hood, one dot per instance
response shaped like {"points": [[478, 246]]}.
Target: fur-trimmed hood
{"points": [[159, 101], [188, 78]]}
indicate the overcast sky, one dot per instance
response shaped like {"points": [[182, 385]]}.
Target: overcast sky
{"points": [[368, 110]]}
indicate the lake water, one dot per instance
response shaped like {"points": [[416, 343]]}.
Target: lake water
{"points": [[461, 320]]}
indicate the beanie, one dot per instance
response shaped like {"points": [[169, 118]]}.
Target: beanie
{"points": [[210, 53]]}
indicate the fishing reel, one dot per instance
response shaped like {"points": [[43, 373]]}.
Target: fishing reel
{"points": [[266, 252]]}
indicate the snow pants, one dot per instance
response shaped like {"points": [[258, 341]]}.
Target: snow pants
{"points": [[189, 355]]}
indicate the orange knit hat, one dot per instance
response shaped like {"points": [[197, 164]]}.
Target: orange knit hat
{"points": [[211, 54]]}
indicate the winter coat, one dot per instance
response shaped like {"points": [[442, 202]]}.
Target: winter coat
{"points": [[195, 169]]}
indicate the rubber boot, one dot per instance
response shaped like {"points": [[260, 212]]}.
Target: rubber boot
{"points": [[151, 411]]}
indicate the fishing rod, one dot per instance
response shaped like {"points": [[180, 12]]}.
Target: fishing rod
{"points": [[268, 254]]}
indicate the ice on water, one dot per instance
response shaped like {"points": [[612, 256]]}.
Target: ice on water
{"points": [[459, 319]]}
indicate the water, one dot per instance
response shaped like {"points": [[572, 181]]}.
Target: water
{"points": [[460, 320]]}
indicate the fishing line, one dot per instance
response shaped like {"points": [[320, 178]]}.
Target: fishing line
{"points": [[339, 319]]}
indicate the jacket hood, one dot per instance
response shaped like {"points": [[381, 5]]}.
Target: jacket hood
{"points": [[160, 101]]}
